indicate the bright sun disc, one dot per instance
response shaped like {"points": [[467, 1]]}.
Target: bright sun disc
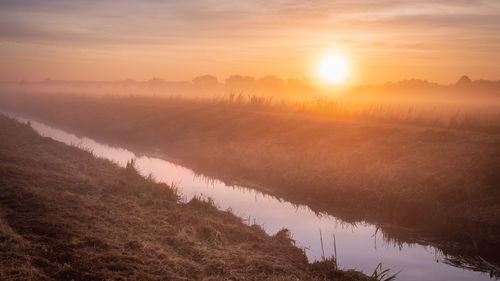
{"points": [[333, 68]]}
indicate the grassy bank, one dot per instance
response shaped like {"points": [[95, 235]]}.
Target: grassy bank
{"points": [[66, 215], [442, 184]]}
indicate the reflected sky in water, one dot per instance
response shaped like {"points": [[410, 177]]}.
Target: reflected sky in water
{"points": [[357, 245]]}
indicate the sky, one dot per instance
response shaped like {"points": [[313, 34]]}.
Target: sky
{"points": [[385, 40]]}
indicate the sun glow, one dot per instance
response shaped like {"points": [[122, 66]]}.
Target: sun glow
{"points": [[333, 68]]}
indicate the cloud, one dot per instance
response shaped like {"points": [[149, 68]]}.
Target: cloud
{"points": [[255, 31], [153, 21]]}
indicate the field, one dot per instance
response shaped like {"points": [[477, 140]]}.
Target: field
{"points": [[432, 183], [372, 124], [66, 215]]}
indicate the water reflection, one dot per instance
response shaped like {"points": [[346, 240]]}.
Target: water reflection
{"points": [[359, 245]]}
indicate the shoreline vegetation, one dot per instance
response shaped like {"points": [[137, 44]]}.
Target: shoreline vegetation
{"points": [[66, 215], [437, 183]]}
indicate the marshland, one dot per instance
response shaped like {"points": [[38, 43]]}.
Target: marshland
{"points": [[379, 168], [67, 215], [250, 140]]}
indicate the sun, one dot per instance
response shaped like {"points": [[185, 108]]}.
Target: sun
{"points": [[333, 68]]}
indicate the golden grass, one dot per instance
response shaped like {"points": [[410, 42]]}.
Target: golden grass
{"points": [[65, 215], [436, 180]]}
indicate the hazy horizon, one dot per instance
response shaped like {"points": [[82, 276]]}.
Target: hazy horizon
{"points": [[223, 80]]}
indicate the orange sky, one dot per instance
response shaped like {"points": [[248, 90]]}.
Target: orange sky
{"points": [[177, 40]]}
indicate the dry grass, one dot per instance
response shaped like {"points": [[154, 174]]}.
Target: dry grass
{"points": [[65, 215], [441, 182]]}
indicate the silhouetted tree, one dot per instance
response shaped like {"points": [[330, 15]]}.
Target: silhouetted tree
{"points": [[206, 81], [240, 83], [271, 84], [464, 80]]}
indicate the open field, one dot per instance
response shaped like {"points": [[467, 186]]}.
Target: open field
{"points": [[374, 124], [441, 184], [66, 215]]}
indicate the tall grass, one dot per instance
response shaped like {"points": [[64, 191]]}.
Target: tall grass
{"points": [[381, 274], [399, 167], [332, 259], [459, 116], [454, 115]]}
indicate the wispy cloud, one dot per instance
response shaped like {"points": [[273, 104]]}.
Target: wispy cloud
{"points": [[236, 27]]}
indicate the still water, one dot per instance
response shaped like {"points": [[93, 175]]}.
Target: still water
{"points": [[358, 246]]}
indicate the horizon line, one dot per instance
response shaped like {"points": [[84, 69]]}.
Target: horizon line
{"points": [[223, 81]]}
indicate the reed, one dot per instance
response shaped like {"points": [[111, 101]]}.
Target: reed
{"points": [[403, 168], [381, 274]]}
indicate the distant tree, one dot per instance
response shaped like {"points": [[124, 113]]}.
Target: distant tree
{"points": [[271, 81], [156, 84], [271, 84], [240, 83], [464, 80], [206, 81]]}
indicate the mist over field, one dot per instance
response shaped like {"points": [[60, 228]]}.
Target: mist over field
{"points": [[250, 140]]}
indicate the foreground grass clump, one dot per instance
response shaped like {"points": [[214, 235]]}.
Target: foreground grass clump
{"points": [[65, 215]]}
